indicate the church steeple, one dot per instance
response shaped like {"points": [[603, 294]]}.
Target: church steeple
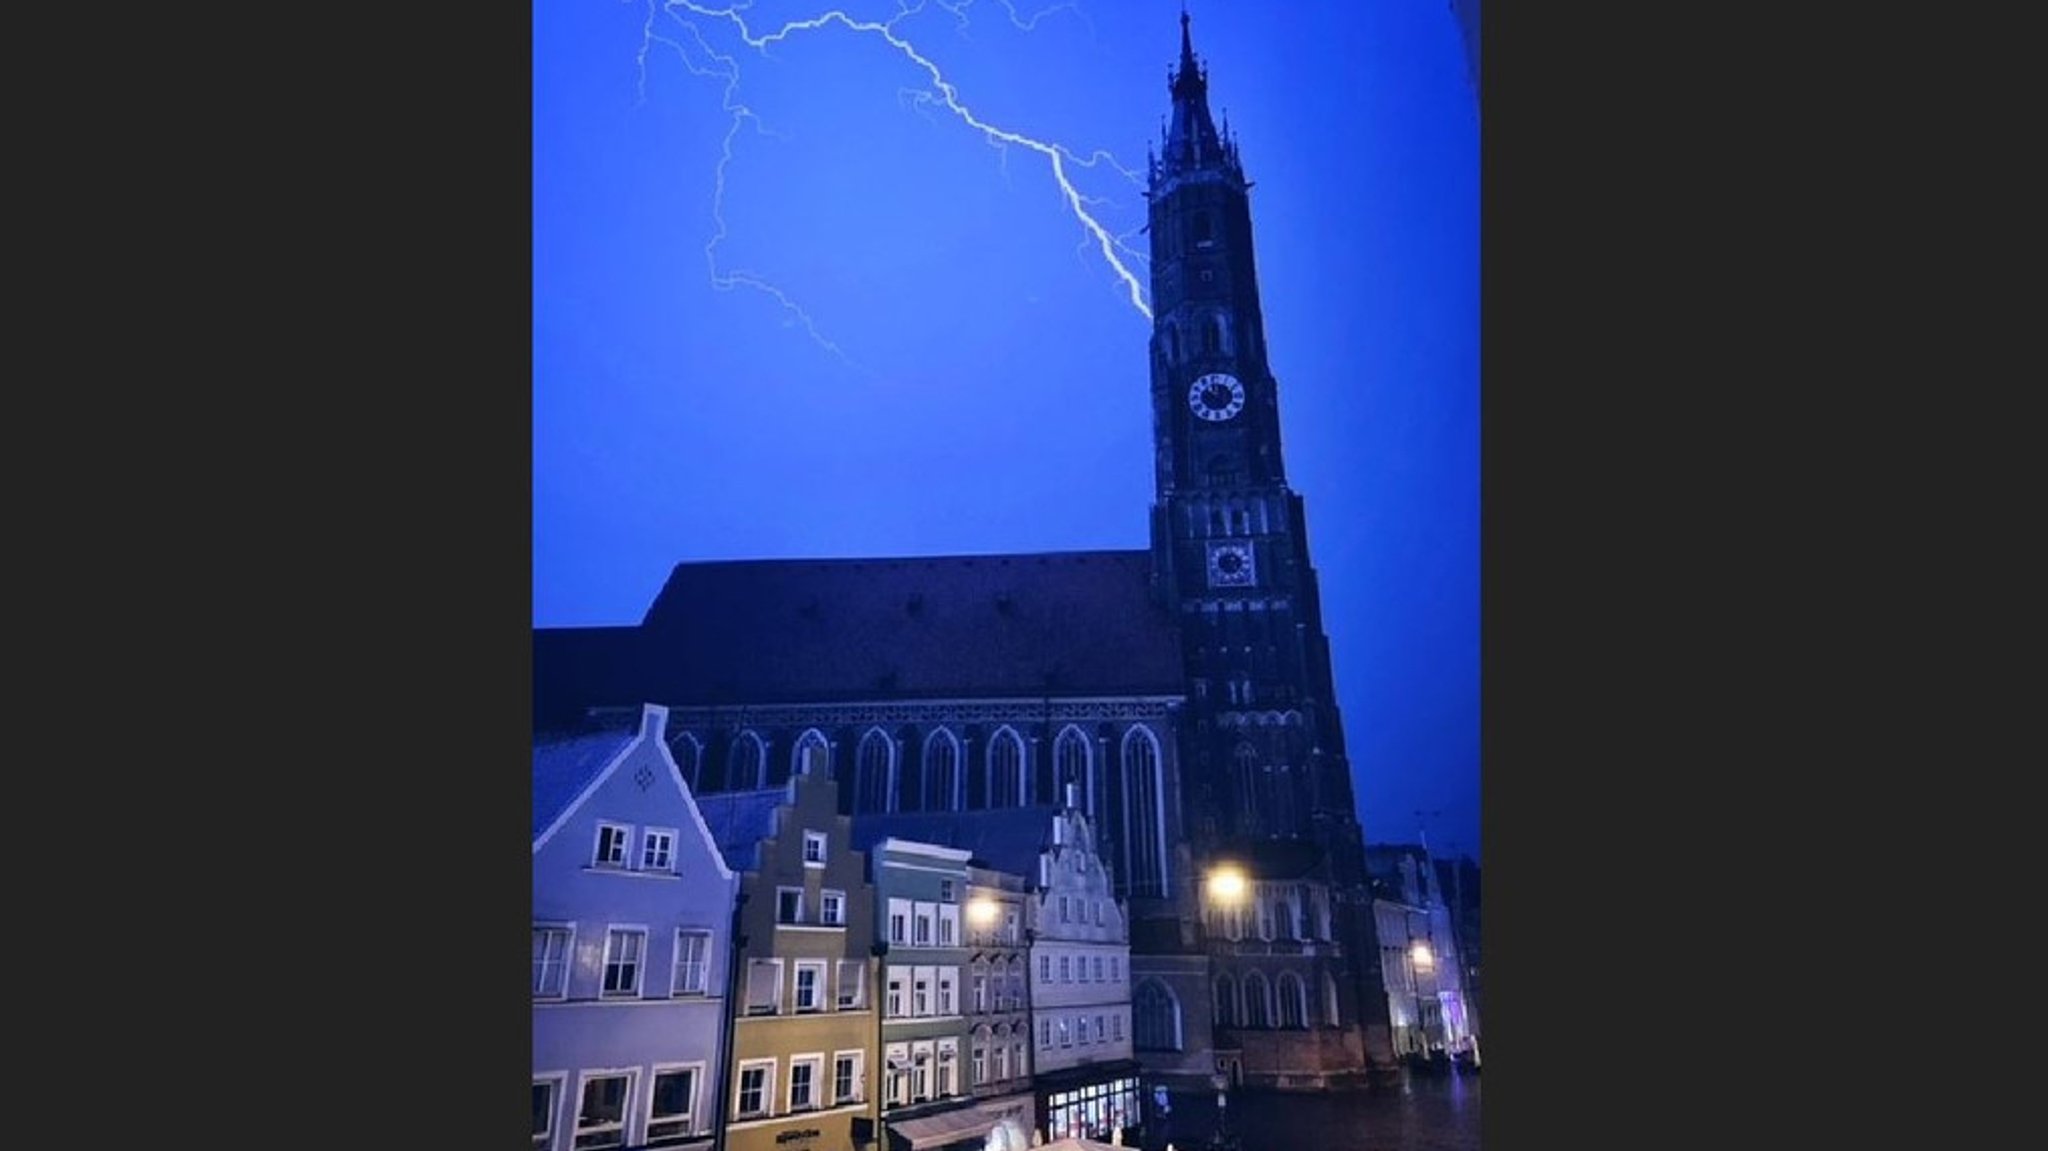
{"points": [[1192, 142]]}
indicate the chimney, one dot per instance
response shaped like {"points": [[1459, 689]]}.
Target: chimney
{"points": [[653, 721], [1073, 796]]}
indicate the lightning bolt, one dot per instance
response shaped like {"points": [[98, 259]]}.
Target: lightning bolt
{"points": [[701, 59]]}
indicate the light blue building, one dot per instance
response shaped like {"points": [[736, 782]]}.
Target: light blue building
{"points": [[632, 924]]}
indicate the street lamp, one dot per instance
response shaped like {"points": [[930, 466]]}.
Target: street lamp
{"points": [[982, 911]]}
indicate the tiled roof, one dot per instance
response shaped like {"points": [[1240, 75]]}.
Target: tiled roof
{"points": [[562, 768], [1007, 840], [740, 820], [1063, 624]]}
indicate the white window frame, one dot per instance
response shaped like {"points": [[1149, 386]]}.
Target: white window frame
{"points": [[999, 1067], [922, 1075], [612, 932], [747, 1004], [858, 1080], [949, 925], [676, 986], [826, 915], [568, 931], [623, 863], [946, 1069], [921, 926], [779, 893], [818, 969], [860, 984], [739, 1083], [815, 839], [896, 1083], [668, 837], [947, 989], [583, 1079], [557, 1084], [897, 993], [1045, 1034], [694, 1121], [921, 991], [899, 922], [815, 1060], [946, 891]]}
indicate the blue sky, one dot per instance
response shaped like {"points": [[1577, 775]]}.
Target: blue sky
{"points": [[870, 331]]}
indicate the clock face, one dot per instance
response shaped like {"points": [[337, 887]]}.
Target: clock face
{"points": [[1230, 565], [1216, 397]]}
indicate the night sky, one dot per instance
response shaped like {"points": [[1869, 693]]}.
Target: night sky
{"points": [[888, 336]]}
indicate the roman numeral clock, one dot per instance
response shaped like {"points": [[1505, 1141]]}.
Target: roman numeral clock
{"points": [[1217, 397]]}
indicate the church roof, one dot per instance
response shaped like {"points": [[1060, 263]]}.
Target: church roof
{"points": [[764, 631], [1008, 840]]}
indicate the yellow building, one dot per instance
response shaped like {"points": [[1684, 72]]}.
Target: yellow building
{"points": [[801, 1055]]}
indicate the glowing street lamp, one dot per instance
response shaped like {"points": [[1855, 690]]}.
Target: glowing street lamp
{"points": [[982, 911], [1227, 884]]}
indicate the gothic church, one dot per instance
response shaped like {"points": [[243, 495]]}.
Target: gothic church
{"points": [[1184, 690]]}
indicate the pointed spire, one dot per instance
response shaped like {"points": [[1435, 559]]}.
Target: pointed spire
{"points": [[1187, 42]]}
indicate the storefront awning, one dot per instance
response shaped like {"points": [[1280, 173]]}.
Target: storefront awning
{"points": [[946, 1127]]}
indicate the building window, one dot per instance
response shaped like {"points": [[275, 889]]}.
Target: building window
{"points": [[921, 991], [846, 1077], [941, 771], [789, 905], [1116, 1024], [894, 1008], [673, 1109], [832, 908], [812, 754], [1226, 1001], [1064, 917], [977, 1066], [1098, 969], [1116, 969], [764, 986], [1045, 969], [1045, 1033], [810, 988], [612, 839], [1006, 770], [1001, 1067], [980, 985], [757, 1079], [1070, 768], [1155, 1018], [814, 849], [920, 1072], [1081, 1030], [693, 962], [873, 764], [544, 1113], [657, 849], [1066, 973], [946, 891], [853, 981], [1143, 866], [948, 976], [1010, 926], [550, 962], [949, 924], [749, 760], [1066, 1032], [1256, 1001], [897, 1065], [922, 922], [601, 1120], [1293, 1000], [803, 1082], [949, 1067], [622, 950], [899, 920]]}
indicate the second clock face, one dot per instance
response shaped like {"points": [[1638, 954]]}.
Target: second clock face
{"points": [[1216, 397], [1230, 565]]}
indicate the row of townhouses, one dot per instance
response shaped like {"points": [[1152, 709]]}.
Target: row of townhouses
{"points": [[757, 971]]}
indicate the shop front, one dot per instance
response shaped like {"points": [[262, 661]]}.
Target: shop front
{"points": [[1094, 1103]]}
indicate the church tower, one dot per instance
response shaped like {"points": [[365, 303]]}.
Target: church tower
{"points": [[1229, 538], [1267, 785]]}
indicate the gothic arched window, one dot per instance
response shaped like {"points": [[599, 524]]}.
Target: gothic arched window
{"points": [[1006, 769], [1145, 846], [1293, 1000], [872, 769], [1155, 1018], [1257, 1002], [689, 756], [1070, 766], [1247, 762], [811, 754], [941, 771], [1226, 1001], [747, 763]]}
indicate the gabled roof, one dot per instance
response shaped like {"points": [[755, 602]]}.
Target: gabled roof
{"points": [[1063, 624], [563, 769], [740, 820], [1007, 840]]}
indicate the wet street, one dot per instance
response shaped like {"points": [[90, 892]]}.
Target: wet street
{"points": [[1422, 1114]]}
